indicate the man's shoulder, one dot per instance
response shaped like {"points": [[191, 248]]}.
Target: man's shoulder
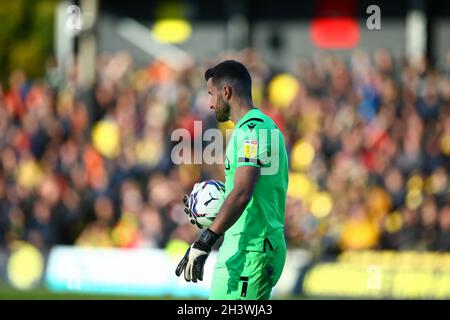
{"points": [[258, 120]]}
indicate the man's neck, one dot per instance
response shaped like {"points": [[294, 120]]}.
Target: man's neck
{"points": [[241, 109]]}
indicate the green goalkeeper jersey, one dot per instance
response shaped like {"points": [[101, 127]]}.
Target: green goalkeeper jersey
{"points": [[256, 141]]}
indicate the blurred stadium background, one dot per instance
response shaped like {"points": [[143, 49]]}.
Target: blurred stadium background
{"points": [[90, 202]]}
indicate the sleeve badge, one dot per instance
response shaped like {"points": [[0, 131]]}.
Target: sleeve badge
{"points": [[250, 148]]}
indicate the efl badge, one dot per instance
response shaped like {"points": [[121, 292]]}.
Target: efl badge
{"points": [[250, 148]]}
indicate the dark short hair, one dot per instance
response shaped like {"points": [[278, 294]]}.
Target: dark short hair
{"points": [[234, 72]]}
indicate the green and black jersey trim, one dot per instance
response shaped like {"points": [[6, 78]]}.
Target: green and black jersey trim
{"points": [[252, 160]]}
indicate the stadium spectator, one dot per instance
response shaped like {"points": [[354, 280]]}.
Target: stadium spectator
{"points": [[368, 142]]}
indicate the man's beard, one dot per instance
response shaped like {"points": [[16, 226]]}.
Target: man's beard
{"points": [[223, 115]]}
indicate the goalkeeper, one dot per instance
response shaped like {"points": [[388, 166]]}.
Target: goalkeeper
{"points": [[251, 219]]}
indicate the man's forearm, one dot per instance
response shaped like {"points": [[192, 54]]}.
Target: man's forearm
{"points": [[232, 208]]}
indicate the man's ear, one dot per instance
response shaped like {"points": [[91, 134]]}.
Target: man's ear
{"points": [[227, 92]]}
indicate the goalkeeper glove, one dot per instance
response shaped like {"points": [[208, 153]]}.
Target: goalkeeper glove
{"points": [[188, 211], [194, 260]]}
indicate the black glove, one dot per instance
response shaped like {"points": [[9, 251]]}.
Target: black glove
{"points": [[188, 211], [194, 260]]}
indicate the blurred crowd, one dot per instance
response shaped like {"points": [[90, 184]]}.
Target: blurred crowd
{"points": [[368, 140]]}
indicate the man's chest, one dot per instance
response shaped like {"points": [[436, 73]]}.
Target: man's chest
{"points": [[230, 159]]}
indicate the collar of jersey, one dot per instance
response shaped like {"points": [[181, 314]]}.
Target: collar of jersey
{"points": [[246, 116]]}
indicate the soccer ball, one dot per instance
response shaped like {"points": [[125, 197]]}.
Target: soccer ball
{"points": [[205, 201]]}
